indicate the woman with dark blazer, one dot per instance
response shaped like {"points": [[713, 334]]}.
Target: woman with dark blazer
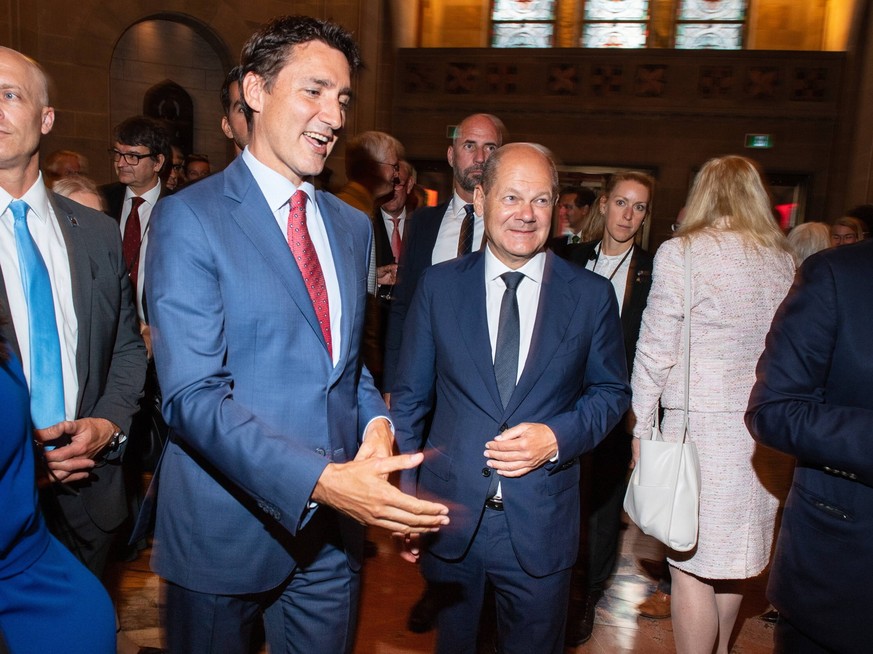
{"points": [[622, 208]]}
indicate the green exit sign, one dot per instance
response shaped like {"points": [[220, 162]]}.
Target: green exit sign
{"points": [[759, 141]]}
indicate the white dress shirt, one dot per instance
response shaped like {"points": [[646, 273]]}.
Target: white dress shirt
{"points": [[277, 191], [605, 265], [150, 198], [446, 246], [389, 224], [47, 235], [528, 294]]}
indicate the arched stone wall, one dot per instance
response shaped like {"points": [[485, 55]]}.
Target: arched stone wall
{"points": [[75, 41]]}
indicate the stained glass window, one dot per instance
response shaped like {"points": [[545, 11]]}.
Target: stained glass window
{"points": [[614, 35], [617, 10], [710, 24], [522, 23], [615, 24], [706, 10]]}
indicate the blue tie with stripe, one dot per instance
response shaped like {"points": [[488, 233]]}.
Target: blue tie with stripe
{"points": [[46, 376]]}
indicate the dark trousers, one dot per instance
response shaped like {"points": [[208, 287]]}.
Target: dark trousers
{"points": [[788, 640], [531, 611], [603, 485], [314, 610]]}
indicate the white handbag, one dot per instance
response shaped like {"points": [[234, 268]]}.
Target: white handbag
{"points": [[663, 494]]}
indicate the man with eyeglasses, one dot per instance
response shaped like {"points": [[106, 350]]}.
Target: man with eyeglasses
{"points": [[373, 169], [139, 152]]}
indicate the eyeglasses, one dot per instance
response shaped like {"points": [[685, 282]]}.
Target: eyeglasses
{"points": [[130, 158], [178, 167], [394, 166]]}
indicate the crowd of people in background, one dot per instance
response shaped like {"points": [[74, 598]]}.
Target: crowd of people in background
{"points": [[279, 343]]}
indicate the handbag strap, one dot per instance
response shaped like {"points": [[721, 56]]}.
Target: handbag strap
{"points": [[686, 338]]}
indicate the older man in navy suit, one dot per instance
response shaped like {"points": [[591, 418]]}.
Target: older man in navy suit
{"points": [[519, 354], [280, 447], [813, 400]]}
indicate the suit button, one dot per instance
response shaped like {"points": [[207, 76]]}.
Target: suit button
{"points": [[504, 427], [320, 451], [486, 472]]}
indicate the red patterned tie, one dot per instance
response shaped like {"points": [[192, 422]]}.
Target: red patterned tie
{"points": [[307, 260], [396, 239], [130, 243]]}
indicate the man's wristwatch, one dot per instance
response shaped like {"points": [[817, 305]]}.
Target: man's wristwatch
{"points": [[118, 437]]}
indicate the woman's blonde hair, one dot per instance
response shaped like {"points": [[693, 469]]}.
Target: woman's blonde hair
{"points": [[729, 193]]}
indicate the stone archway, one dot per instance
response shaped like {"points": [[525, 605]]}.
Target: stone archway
{"points": [[178, 58]]}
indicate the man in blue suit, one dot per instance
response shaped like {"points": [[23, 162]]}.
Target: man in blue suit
{"points": [[280, 448], [812, 400], [519, 354]]}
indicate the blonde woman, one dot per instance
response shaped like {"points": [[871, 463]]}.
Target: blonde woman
{"points": [[741, 269]]}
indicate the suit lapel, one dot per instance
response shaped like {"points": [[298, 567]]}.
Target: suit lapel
{"points": [[631, 278], [468, 302], [255, 219], [7, 330], [551, 325], [81, 274]]}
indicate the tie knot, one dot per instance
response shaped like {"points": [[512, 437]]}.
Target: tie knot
{"points": [[512, 279], [468, 210], [298, 200], [18, 208], [135, 201]]}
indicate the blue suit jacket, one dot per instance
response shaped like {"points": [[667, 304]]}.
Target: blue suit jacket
{"points": [[423, 229], [256, 407], [574, 381], [813, 400]]}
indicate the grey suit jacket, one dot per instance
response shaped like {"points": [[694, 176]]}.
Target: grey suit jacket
{"points": [[110, 355]]}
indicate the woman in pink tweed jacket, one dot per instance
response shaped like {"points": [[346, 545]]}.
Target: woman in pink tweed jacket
{"points": [[741, 270]]}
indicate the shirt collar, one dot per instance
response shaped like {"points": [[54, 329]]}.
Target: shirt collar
{"points": [[277, 189], [36, 198], [151, 196], [458, 205], [533, 269], [387, 216]]}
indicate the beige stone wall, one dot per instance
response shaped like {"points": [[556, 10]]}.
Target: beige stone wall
{"points": [[658, 110], [76, 43]]}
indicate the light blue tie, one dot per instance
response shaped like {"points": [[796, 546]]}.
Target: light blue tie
{"points": [[46, 376]]}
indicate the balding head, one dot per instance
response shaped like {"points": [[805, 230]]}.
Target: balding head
{"points": [[516, 197], [475, 139], [24, 117]]}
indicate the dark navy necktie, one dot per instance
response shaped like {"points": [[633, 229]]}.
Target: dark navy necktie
{"points": [[506, 352]]}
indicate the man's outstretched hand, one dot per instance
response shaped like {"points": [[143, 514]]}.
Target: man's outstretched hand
{"points": [[360, 489]]}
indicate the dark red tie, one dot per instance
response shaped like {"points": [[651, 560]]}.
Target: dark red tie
{"points": [[396, 239], [307, 260], [132, 241]]}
